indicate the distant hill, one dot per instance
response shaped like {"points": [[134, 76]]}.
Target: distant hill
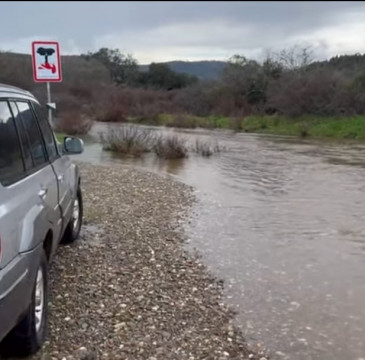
{"points": [[16, 69], [207, 69]]}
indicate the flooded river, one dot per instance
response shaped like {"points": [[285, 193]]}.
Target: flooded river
{"points": [[282, 222]]}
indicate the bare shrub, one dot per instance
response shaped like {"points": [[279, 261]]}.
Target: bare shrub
{"points": [[73, 122], [206, 148], [111, 105], [171, 147], [196, 99], [15, 70], [148, 103], [128, 140], [231, 104], [116, 104], [66, 102], [313, 93], [294, 58], [113, 113]]}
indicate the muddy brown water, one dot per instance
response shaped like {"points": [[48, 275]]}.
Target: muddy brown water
{"points": [[282, 222]]}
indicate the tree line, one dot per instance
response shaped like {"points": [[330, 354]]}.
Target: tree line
{"points": [[124, 70], [107, 85], [288, 82]]}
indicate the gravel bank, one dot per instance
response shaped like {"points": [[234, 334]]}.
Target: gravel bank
{"points": [[127, 289]]}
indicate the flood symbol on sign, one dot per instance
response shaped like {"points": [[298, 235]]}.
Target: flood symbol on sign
{"points": [[46, 52]]}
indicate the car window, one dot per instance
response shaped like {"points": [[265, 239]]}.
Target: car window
{"points": [[11, 161], [28, 162], [46, 132], [34, 135]]}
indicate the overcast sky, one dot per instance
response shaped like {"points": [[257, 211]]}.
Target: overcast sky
{"points": [[164, 31]]}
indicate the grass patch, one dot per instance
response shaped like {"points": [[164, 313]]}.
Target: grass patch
{"points": [[331, 127], [185, 121], [347, 128], [60, 136]]}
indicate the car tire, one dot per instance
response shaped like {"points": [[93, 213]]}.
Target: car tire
{"points": [[29, 335], [74, 226]]}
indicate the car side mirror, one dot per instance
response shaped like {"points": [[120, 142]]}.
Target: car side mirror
{"points": [[72, 145]]}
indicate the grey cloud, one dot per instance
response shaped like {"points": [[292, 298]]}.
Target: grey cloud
{"points": [[201, 27]]}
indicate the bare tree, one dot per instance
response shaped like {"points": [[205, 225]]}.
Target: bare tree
{"points": [[294, 58]]}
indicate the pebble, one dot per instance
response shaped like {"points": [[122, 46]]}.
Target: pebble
{"points": [[125, 305], [279, 353]]}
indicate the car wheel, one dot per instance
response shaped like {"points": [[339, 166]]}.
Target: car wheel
{"points": [[29, 335], [74, 226]]}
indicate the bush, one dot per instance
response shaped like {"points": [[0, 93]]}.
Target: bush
{"points": [[128, 140], [73, 122], [111, 105], [171, 147], [310, 93], [206, 148], [147, 103], [196, 99], [135, 141], [113, 113]]}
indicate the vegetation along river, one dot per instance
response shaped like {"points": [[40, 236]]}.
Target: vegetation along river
{"points": [[282, 222]]}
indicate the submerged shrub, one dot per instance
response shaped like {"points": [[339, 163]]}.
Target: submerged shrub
{"points": [[171, 147], [206, 148], [128, 140]]}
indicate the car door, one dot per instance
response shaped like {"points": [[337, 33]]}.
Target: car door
{"points": [[62, 165], [40, 185], [12, 174]]}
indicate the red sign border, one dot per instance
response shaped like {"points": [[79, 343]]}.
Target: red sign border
{"points": [[59, 79]]}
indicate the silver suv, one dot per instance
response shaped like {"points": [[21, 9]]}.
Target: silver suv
{"points": [[40, 205]]}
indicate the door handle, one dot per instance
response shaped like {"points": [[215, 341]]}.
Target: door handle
{"points": [[60, 178], [42, 193]]}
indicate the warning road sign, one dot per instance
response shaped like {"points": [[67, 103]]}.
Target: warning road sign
{"points": [[46, 60]]}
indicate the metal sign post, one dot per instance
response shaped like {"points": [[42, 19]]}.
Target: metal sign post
{"points": [[46, 60], [49, 102]]}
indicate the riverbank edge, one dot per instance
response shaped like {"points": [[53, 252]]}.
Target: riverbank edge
{"points": [[341, 128], [326, 127], [337, 128]]}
